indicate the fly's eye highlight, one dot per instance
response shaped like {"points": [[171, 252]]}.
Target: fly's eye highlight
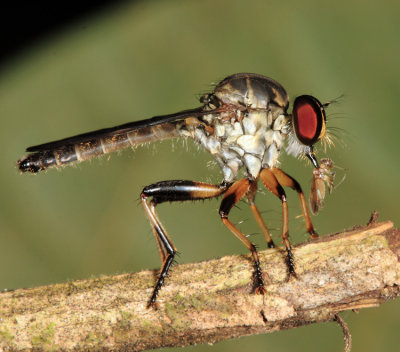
{"points": [[308, 119]]}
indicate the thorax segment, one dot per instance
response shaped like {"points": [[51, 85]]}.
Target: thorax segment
{"points": [[251, 138]]}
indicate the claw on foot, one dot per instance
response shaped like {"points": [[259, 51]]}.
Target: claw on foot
{"points": [[292, 276], [260, 290], [153, 305]]}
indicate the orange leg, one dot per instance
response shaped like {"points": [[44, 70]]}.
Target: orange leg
{"points": [[251, 196], [288, 181], [271, 183], [232, 196]]}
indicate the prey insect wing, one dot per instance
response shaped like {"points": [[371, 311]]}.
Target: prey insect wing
{"points": [[323, 176]]}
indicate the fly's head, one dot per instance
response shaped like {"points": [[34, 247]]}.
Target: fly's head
{"points": [[308, 127]]}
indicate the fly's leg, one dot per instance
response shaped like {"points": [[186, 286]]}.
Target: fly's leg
{"points": [[232, 196], [160, 244], [165, 246], [171, 191], [271, 183], [256, 213], [288, 181]]}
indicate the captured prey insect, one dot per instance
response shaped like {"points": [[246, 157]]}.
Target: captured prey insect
{"points": [[244, 123], [322, 176]]}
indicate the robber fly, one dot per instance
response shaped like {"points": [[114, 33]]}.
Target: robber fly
{"points": [[244, 124]]}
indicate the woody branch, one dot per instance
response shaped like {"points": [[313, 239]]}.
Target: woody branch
{"points": [[209, 301]]}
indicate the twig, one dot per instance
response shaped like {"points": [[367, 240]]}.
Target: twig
{"points": [[209, 301], [346, 333]]}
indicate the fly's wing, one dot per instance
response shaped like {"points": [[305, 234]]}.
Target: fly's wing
{"points": [[116, 131], [88, 145]]}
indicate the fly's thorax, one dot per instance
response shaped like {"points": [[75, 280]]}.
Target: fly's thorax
{"points": [[255, 91], [253, 140]]}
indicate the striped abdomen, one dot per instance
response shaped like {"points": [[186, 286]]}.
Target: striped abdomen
{"points": [[90, 145]]}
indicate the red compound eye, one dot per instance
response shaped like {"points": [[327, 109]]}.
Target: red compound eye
{"points": [[308, 119]]}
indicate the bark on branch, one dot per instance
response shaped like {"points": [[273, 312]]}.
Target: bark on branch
{"points": [[209, 301]]}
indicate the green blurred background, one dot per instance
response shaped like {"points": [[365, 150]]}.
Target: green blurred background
{"points": [[156, 57]]}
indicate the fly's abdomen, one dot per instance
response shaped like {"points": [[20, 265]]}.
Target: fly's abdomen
{"points": [[40, 161], [90, 145]]}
